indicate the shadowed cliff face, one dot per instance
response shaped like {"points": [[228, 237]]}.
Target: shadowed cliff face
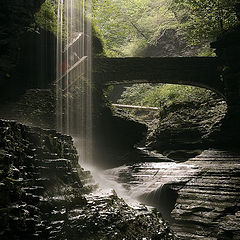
{"points": [[228, 50], [45, 194], [15, 17], [183, 129]]}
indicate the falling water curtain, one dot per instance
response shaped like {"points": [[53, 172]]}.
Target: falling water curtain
{"points": [[73, 67]]}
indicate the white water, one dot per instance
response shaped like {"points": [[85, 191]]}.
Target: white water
{"points": [[147, 182], [107, 185], [73, 88], [73, 83]]}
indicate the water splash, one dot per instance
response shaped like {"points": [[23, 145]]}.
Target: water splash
{"points": [[73, 87], [108, 186], [73, 71]]}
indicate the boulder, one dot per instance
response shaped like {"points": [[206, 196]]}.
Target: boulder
{"points": [[182, 128]]}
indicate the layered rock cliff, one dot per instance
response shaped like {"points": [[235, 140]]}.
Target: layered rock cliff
{"points": [[182, 129], [208, 206], [45, 194]]}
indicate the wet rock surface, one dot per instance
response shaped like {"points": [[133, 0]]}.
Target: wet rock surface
{"points": [[200, 197], [208, 205], [45, 194], [183, 129]]}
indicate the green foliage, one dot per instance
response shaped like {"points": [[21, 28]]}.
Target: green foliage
{"points": [[203, 19], [135, 94], [46, 17], [134, 48], [162, 95], [127, 24]]}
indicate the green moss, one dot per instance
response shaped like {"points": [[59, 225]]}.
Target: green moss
{"points": [[46, 17], [98, 46]]}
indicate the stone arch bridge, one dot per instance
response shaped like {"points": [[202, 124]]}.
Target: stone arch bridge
{"points": [[196, 71]]}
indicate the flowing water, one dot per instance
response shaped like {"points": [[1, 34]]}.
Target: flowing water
{"points": [[148, 182], [73, 83], [200, 194]]}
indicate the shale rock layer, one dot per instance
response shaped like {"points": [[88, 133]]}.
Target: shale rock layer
{"points": [[200, 197], [208, 206], [45, 194]]}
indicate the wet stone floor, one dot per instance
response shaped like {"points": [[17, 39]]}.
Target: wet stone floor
{"points": [[200, 198]]}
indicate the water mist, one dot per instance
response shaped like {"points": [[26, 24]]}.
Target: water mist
{"points": [[73, 68], [73, 86]]}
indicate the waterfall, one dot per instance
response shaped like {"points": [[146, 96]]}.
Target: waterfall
{"points": [[73, 71]]}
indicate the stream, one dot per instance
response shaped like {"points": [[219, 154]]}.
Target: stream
{"points": [[195, 196]]}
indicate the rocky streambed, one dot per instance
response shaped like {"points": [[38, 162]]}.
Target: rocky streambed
{"points": [[45, 194], [200, 198]]}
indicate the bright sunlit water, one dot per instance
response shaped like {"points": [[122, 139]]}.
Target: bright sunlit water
{"points": [[73, 86], [74, 101], [73, 83]]}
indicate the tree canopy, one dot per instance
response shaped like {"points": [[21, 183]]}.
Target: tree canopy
{"points": [[128, 25], [203, 20], [46, 17]]}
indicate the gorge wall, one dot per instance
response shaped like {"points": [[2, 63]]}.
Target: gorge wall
{"points": [[45, 194], [15, 17]]}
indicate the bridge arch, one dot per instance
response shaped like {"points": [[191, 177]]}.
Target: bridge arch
{"points": [[195, 71]]}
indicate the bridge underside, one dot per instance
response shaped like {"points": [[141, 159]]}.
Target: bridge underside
{"points": [[195, 71]]}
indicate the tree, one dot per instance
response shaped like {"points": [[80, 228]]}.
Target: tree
{"points": [[128, 25], [46, 17], [203, 19]]}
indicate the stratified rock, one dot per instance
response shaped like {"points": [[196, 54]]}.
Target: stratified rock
{"points": [[200, 197], [182, 128], [45, 194], [208, 205]]}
